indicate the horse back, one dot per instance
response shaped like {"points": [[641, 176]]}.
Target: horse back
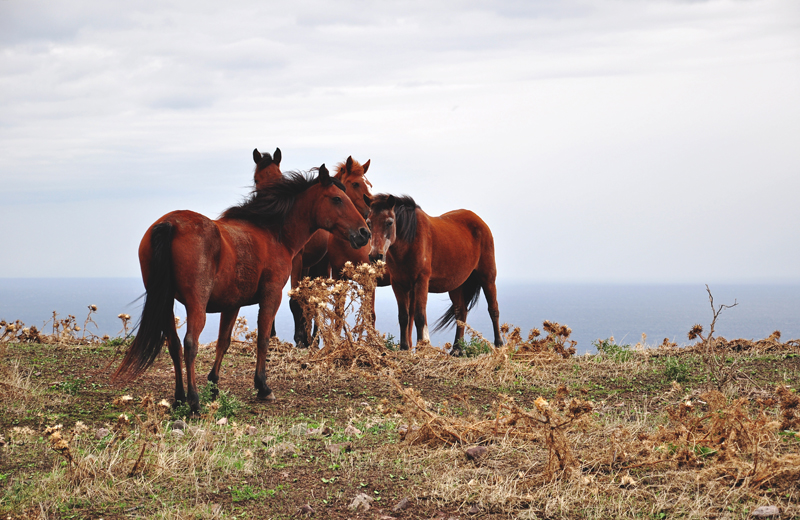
{"points": [[461, 244]]}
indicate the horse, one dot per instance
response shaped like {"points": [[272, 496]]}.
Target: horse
{"points": [[268, 167], [242, 258], [325, 254], [451, 253]]}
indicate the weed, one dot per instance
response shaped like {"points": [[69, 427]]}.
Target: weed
{"points": [[609, 349], [473, 348], [676, 370]]}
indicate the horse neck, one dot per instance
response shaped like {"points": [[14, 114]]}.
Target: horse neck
{"points": [[298, 226], [400, 248]]}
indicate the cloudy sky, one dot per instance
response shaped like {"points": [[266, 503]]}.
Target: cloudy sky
{"points": [[603, 140]]}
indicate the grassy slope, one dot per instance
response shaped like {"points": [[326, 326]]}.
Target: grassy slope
{"points": [[223, 470]]}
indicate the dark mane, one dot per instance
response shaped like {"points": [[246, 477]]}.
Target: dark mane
{"points": [[405, 212], [268, 206]]}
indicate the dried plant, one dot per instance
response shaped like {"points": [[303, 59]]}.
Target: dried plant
{"points": [[342, 310]]}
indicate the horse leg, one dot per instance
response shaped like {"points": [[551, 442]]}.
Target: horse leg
{"points": [[266, 315], [227, 319], [195, 321], [174, 345], [490, 291], [460, 309], [420, 310], [402, 316], [300, 337]]}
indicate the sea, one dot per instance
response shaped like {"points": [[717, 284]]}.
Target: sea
{"points": [[592, 311]]}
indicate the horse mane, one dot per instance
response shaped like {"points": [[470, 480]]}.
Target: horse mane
{"points": [[269, 205], [405, 212]]}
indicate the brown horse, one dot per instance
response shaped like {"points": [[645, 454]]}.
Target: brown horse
{"points": [[325, 254], [268, 167], [243, 258], [452, 253]]}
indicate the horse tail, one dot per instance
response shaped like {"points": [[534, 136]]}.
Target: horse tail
{"points": [[471, 290], [158, 317]]}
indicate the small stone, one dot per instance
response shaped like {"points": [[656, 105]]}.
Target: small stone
{"points": [[352, 430], [322, 430], [251, 430], [222, 422], [766, 512], [474, 510], [404, 503], [178, 425], [361, 501], [284, 449], [177, 433], [101, 433], [476, 452], [307, 509], [336, 449], [266, 441]]}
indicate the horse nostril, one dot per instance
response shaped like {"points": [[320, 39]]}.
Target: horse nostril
{"points": [[365, 233]]}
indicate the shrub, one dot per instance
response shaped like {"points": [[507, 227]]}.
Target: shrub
{"points": [[608, 349]]}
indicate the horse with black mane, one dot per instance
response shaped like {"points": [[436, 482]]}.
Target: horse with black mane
{"points": [[242, 258], [452, 253]]}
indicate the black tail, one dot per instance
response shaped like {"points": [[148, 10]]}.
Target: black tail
{"points": [[472, 290], [157, 316]]}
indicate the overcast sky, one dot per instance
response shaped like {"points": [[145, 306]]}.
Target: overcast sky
{"points": [[609, 141]]}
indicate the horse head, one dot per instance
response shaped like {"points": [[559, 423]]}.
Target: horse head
{"points": [[381, 222], [352, 174], [268, 167], [336, 213]]}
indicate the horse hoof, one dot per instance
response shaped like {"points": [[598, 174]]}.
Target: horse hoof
{"points": [[270, 397]]}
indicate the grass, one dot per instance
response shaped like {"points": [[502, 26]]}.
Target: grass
{"points": [[631, 432]]}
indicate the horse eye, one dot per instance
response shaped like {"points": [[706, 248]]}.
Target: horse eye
{"points": [[337, 200], [355, 185]]}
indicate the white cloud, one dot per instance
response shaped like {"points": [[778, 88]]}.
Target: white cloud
{"points": [[601, 140]]}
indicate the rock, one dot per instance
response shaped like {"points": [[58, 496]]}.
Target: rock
{"points": [[361, 501], [307, 509], [284, 449], [267, 440], [403, 504], [336, 449], [766, 512], [178, 425], [352, 430], [222, 422], [474, 510], [251, 430], [322, 430], [101, 433], [177, 433], [476, 452], [195, 430]]}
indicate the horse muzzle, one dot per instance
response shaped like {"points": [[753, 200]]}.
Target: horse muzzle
{"points": [[376, 258], [360, 239]]}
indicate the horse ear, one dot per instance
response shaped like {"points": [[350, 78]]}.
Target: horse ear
{"points": [[390, 201], [324, 176], [276, 157], [367, 200], [349, 164], [256, 155], [366, 166]]}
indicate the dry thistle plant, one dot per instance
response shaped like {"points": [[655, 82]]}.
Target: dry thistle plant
{"points": [[434, 428], [343, 311]]}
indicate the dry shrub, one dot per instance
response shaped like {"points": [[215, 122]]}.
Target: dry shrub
{"points": [[537, 349], [442, 428], [65, 331], [342, 310]]}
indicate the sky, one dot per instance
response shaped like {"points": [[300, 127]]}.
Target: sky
{"points": [[602, 141]]}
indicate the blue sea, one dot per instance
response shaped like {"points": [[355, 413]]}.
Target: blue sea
{"points": [[592, 311]]}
